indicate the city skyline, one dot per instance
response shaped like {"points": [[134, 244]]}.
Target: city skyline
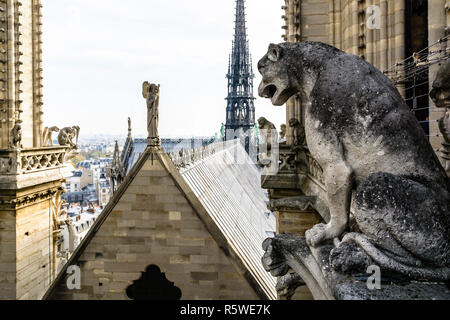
{"points": [[89, 49]]}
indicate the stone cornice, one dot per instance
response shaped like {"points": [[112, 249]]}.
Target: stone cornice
{"points": [[29, 199]]}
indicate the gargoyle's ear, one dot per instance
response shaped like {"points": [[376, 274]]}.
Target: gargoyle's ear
{"points": [[274, 53]]}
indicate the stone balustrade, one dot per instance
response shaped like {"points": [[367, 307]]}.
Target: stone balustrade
{"points": [[187, 157], [315, 170], [13, 162]]}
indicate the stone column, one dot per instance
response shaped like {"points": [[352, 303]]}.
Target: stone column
{"points": [[20, 71], [384, 64], [390, 34], [37, 73], [369, 38], [437, 22], [355, 28], [399, 34]]}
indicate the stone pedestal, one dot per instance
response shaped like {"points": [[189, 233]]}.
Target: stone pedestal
{"points": [[294, 211], [288, 253], [295, 215]]}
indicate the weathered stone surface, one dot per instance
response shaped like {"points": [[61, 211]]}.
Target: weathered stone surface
{"points": [[361, 132], [312, 268]]}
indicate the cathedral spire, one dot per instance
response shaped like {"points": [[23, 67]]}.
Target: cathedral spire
{"points": [[240, 100]]}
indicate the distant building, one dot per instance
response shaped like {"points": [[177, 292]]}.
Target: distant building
{"points": [[83, 218], [73, 184], [103, 191], [89, 183], [133, 148]]}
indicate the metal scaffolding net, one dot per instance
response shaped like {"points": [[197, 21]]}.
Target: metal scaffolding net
{"points": [[411, 76]]}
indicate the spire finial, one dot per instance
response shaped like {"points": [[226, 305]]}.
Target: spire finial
{"points": [[240, 100]]}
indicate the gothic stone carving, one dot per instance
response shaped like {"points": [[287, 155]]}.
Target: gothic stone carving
{"points": [[283, 132], [266, 128], [65, 138], [299, 146], [23, 201], [67, 134], [151, 95], [287, 285], [298, 134], [59, 215], [441, 98], [269, 134], [16, 142], [47, 136], [287, 251], [6, 165], [361, 132]]}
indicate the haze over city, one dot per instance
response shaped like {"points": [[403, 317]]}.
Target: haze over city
{"points": [[96, 57]]}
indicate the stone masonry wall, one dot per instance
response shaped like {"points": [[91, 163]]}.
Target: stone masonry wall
{"points": [[7, 253], [25, 245], [34, 246], [153, 223]]}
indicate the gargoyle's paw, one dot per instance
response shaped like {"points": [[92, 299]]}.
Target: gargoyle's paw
{"points": [[316, 235], [349, 258], [273, 261]]}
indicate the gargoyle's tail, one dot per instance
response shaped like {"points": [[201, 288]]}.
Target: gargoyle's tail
{"points": [[389, 262]]}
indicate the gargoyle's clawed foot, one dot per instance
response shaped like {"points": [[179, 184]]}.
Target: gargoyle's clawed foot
{"points": [[323, 232], [273, 260], [287, 285], [349, 258], [315, 235]]}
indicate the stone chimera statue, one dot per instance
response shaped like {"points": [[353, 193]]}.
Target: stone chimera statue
{"points": [[367, 141]]}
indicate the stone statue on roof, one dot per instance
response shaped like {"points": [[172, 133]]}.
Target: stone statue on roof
{"points": [[151, 94]]}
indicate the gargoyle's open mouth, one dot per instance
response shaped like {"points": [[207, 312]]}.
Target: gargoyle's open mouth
{"points": [[269, 91]]}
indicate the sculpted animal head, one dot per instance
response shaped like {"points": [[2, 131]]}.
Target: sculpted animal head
{"points": [[262, 122], [279, 81], [441, 87], [293, 122]]}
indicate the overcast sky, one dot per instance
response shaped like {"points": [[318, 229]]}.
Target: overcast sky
{"points": [[98, 53]]}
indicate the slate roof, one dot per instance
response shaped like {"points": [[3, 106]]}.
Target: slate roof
{"points": [[232, 195], [138, 147]]}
